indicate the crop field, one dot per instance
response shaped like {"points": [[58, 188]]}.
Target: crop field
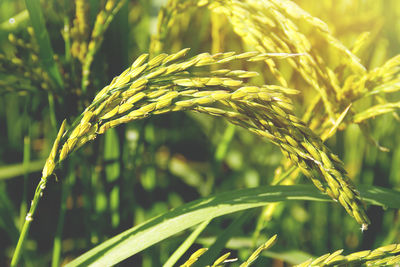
{"points": [[199, 133]]}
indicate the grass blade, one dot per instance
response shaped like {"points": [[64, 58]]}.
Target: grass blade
{"points": [[140, 237], [18, 169]]}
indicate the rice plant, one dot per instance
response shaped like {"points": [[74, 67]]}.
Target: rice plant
{"points": [[199, 133]]}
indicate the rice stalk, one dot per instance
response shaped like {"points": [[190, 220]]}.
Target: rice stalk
{"points": [[261, 23], [48, 170], [151, 88], [168, 83]]}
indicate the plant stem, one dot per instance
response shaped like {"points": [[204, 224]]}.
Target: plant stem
{"points": [[65, 188], [47, 172], [25, 166], [28, 220]]}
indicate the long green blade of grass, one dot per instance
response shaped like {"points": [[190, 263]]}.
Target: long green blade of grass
{"points": [[159, 228], [42, 36], [19, 169]]}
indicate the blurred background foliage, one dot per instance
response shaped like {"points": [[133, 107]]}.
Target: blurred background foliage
{"points": [[143, 169]]}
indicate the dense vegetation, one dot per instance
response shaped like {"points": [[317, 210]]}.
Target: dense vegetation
{"points": [[264, 130]]}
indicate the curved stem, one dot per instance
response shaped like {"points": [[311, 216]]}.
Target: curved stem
{"points": [[28, 220]]}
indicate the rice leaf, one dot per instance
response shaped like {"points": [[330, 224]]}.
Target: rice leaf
{"points": [[142, 236]]}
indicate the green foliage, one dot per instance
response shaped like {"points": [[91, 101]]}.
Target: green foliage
{"points": [[194, 155]]}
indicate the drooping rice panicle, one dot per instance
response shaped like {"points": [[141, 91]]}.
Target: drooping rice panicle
{"points": [[271, 26], [168, 83], [279, 26], [347, 92]]}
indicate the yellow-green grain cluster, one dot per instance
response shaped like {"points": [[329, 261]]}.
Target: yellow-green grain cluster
{"points": [[272, 26], [168, 83], [50, 164], [224, 259], [194, 257], [283, 26], [80, 30], [384, 256], [260, 249], [338, 86]]}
